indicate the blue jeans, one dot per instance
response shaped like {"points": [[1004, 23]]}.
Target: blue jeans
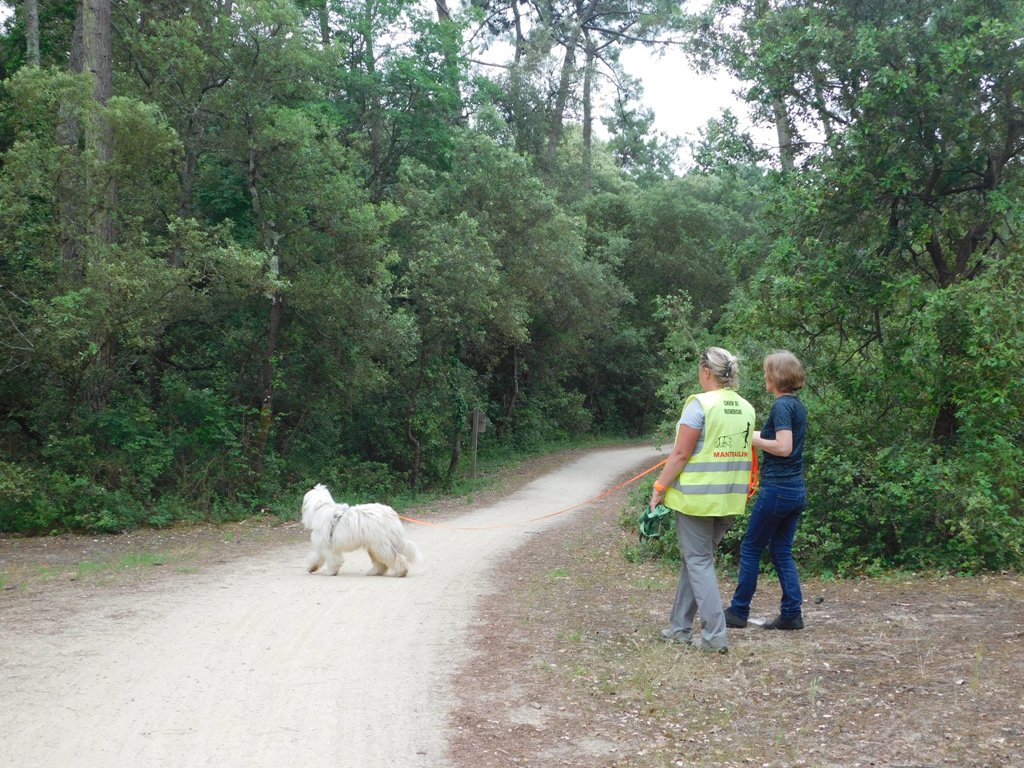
{"points": [[773, 523]]}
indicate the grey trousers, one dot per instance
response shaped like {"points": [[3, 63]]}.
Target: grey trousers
{"points": [[698, 584]]}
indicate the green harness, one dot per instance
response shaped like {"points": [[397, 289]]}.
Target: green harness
{"points": [[654, 522]]}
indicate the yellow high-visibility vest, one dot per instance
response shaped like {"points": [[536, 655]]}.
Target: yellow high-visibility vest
{"points": [[714, 481]]}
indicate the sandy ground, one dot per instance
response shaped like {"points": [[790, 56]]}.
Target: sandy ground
{"points": [[257, 663]]}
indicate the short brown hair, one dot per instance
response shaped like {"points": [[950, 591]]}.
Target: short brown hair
{"points": [[785, 371]]}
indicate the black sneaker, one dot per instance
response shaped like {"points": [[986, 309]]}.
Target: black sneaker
{"points": [[734, 621], [785, 622]]}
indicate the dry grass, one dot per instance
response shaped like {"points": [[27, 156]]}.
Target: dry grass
{"points": [[569, 672]]}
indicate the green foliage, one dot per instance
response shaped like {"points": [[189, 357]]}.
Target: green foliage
{"points": [[647, 155], [893, 272], [327, 245], [723, 148]]}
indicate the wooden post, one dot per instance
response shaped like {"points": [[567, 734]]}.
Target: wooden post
{"points": [[478, 424]]}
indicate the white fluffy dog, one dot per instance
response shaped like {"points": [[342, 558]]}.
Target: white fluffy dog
{"points": [[338, 528]]}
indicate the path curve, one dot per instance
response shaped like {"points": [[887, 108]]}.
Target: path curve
{"points": [[263, 665]]}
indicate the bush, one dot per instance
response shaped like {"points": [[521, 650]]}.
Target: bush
{"points": [[913, 507]]}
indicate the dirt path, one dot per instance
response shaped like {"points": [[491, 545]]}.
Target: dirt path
{"points": [[257, 663]]}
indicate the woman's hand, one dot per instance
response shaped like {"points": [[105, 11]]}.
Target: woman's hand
{"points": [[686, 439], [656, 498], [782, 445]]}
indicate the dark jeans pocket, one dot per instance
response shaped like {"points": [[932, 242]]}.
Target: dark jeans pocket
{"points": [[788, 501]]}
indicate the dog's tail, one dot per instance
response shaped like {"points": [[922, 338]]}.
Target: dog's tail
{"points": [[412, 552]]}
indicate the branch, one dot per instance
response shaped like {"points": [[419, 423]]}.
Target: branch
{"points": [[633, 39], [489, 64]]}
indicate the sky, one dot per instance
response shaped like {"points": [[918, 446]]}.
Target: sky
{"points": [[682, 100]]}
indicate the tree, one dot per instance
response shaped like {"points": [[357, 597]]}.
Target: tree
{"points": [[647, 154], [909, 205], [32, 32], [397, 84], [567, 48], [181, 58]]}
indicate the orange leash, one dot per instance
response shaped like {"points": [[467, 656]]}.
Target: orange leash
{"points": [[755, 475], [535, 519]]}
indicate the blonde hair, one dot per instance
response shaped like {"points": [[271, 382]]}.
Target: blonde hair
{"points": [[784, 371], [724, 366]]}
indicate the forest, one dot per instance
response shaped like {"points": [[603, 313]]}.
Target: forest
{"points": [[250, 245]]}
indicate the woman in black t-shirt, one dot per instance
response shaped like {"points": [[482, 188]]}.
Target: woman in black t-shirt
{"points": [[781, 497]]}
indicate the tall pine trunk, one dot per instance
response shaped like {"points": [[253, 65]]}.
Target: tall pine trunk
{"points": [[270, 239], [32, 32], [100, 185]]}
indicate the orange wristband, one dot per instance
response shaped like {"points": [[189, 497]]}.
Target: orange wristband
{"points": [[659, 487]]}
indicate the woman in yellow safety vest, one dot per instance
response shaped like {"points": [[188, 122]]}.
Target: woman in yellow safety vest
{"points": [[705, 481]]}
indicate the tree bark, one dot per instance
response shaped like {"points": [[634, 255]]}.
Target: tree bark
{"points": [[96, 38], [98, 60], [588, 118], [373, 114], [453, 462], [562, 97], [325, 25], [267, 383], [32, 32], [787, 153], [520, 37], [69, 185], [192, 141], [270, 238], [417, 448], [510, 407], [946, 424]]}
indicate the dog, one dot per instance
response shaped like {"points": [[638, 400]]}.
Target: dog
{"points": [[338, 528]]}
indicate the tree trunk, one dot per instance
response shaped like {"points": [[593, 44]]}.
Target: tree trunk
{"points": [[96, 38], [417, 448], [520, 37], [453, 462], [325, 25], [373, 114], [32, 32], [946, 423], [562, 97], [270, 238], [787, 154], [267, 383], [510, 407], [588, 118], [69, 184], [822, 107], [192, 140], [99, 137]]}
